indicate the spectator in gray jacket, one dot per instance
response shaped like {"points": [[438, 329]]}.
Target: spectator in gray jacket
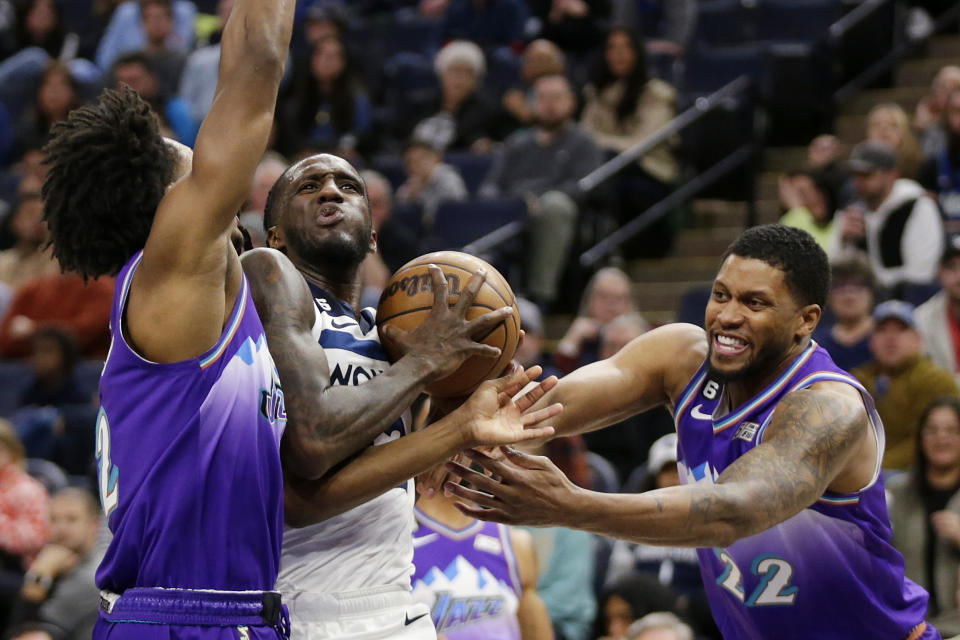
{"points": [[542, 165], [938, 319]]}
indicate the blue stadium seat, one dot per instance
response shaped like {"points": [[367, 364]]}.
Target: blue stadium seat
{"points": [[473, 167], [459, 223], [795, 20], [408, 215], [692, 305], [391, 166], [603, 472], [87, 376], [414, 35], [722, 23], [15, 378], [708, 69]]}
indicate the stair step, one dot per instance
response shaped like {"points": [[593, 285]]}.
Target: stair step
{"points": [[906, 97], [768, 185], [944, 47], [705, 242], [851, 129], [719, 213], [674, 269], [663, 296], [784, 158], [919, 73]]}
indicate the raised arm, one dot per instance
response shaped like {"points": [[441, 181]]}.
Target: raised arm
{"points": [[189, 278], [325, 423], [819, 438]]}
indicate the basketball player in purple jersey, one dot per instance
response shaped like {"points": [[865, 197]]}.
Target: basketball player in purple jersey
{"points": [[779, 450], [347, 552], [191, 411]]}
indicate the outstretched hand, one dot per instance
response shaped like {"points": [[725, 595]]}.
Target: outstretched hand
{"points": [[446, 338], [523, 489]]}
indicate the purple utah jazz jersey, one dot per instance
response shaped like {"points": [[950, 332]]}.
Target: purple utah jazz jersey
{"points": [[468, 578], [828, 572], [188, 460]]}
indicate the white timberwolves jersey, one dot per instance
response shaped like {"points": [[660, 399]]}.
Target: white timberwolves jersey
{"points": [[370, 546]]}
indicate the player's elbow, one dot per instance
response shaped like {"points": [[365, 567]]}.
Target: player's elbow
{"points": [[304, 460]]}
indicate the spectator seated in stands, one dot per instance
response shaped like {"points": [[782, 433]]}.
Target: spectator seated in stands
{"points": [[888, 123], [489, 23], [126, 34], [542, 165], [271, 167], [64, 300], [27, 258], [430, 181], [668, 25], [897, 223], [659, 625], [156, 17], [325, 106], [924, 510], [630, 597], [938, 319], [52, 359], [823, 151], [530, 352], [136, 71], [810, 199], [901, 380], [57, 94], [929, 115], [58, 589], [606, 296], [941, 172], [540, 58], [576, 26], [850, 303], [471, 121], [24, 525]]}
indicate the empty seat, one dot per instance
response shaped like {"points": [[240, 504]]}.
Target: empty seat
{"points": [[473, 167], [459, 223]]}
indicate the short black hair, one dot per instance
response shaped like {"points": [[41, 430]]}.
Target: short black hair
{"points": [[855, 269], [108, 170], [135, 57], [793, 251], [270, 206]]}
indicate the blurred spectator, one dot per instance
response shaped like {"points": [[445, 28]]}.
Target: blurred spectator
{"points": [[810, 200], [323, 20], [157, 19], [26, 259], [126, 33], [941, 172], [271, 167], [540, 58], [53, 356], [850, 303], [625, 106], [606, 296], [925, 511], [901, 380], [888, 123], [326, 107], [897, 223], [64, 300], [24, 517], [430, 181], [58, 588], [57, 94], [938, 319], [659, 626], [542, 165], [928, 118], [670, 23], [824, 150], [198, 82], [489, 23], [396, 243], [630, 597], [530, 352], [37, 24], [467, 117], [136, 71], [575, 25]]}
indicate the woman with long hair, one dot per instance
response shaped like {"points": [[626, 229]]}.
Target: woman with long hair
{"points": [[57, 95]]}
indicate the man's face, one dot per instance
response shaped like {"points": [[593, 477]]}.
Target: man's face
{"points": [[157, 23], [752, 319], [71, 523], [380, 204], [553, 102], [874, 186], [323, 217], [953, 113], [893, 343], [950, 278], [609, 298], [138, 78]]}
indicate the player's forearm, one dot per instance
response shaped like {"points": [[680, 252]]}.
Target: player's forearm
{"points": [[256, 38], [378, 469], [533, 618]]}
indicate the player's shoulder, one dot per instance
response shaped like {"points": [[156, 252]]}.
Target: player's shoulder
{"points": [[275, 282]]}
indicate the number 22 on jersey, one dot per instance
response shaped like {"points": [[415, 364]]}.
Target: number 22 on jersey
{"points": [[774, 587]]}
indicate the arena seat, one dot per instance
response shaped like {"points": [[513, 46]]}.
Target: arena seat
{"points": [[459, 223]]}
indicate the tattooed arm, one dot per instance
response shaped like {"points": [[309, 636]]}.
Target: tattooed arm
{"points": [[325, 423], [819, 438]]}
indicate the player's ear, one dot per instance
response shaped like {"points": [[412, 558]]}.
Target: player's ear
{"points": [[808, 319], [373, 241], [275, 239]]}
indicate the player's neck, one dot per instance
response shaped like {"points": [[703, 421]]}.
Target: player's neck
{"points": [[442, 509], [344, 285], [743, 390]]}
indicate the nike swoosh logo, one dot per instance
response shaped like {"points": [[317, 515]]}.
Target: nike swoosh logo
{"points": [[333, 323], [696, 413], [407, 620], [422, 540]]}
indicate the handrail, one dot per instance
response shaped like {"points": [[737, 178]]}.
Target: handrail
{"points": [[701, 107], [595, 253], [495, 237], [857, 15]]}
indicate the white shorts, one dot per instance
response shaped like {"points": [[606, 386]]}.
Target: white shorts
{"points": [[370, 614]]}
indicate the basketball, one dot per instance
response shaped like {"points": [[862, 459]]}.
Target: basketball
{"points": [[408, 297]]}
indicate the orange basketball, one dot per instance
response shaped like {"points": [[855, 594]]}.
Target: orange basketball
{"points": [[408, 297]]}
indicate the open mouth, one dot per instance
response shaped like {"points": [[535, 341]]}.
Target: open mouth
{"points": [[728, 345]]}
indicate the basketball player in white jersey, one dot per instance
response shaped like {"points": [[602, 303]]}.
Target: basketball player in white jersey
{"points": [[347, 551]]}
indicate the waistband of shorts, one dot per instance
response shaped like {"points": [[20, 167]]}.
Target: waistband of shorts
{"points": [[325, 605], [195, 607]]}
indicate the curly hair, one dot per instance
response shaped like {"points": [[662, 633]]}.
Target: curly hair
{"points": [[108, 170], [793, 251]]}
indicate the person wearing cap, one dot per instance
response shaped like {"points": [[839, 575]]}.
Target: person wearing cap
{"points": [[938, 319], [430, 181], [894, 220], [901, 379]]}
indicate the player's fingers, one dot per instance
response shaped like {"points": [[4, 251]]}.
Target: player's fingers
{"points": [[525, 460], [535, 433], [498, 467], [534, 418], [439, 288], [478, 328], [470, 292], [483, 350], [491, 515], [478, 498], [513, 377], [523, 334], [534, 393]]}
